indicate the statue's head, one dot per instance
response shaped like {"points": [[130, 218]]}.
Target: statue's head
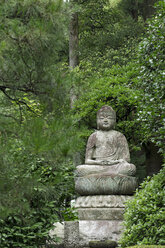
{"points": [[106, 118]]}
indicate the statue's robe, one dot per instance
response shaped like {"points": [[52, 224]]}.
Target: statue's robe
{"points": [[107, 146]]}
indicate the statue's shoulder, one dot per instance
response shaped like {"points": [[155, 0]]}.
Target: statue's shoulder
{"points": [[92, 140], [93, 135], [118, 134]]}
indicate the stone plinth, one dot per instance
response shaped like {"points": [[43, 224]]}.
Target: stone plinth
{"points": [[100, 213], [105, 185]]}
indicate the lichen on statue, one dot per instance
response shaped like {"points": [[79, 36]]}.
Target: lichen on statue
{"points": [[107, 152]]}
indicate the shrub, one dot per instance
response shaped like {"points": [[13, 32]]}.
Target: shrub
{"points": [[145, 214], [147, 246]]}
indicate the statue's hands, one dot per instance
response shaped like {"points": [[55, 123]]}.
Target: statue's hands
{"points": [[105, 162], [111, 162]]}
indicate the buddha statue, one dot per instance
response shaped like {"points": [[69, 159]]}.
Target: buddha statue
{"points": [[107, 168]]}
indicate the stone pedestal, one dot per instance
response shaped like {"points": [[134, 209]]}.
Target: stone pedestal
{"points": [[100, 217], [105, 185]]}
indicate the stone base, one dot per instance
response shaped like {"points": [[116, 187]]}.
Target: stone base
{"points": [[100, 219], [90, 230], [100, 213], [79, 234]]}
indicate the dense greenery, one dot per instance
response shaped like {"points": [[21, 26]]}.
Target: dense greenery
{"points": [[147, 246], [36, 151], [39, 132], [108, 34], [151, 58], [35, 173], [145, 214], [135, 90]]}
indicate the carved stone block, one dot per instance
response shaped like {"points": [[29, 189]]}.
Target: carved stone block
{"points": [[100, 213], [102, 201]]}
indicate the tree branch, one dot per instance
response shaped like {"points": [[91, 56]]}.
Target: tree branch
{"points": [[16, 100]]}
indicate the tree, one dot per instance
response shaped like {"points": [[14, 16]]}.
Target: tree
{"points": [[73, 39], [73, 46], [36, 166], [32, 40], [151, 80], [107, 34]]}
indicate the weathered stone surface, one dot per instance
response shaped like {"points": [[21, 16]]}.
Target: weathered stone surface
{"points": [[103, 244], [58, 231], [107, 172], [71, 234], [100, 213], [107, 169], [105, 185], [102, 201], [108, 147], [99, 230]]}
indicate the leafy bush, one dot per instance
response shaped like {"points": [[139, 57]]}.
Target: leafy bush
{"points": [[36, 175], [151, 58], [145, 214], [147, 246]]}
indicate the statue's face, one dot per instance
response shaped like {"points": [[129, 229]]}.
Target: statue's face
{"points": [[106, 121]]}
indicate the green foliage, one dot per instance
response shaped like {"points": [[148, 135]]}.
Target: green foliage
{"points": [[136, 91], [145, 214], [113, 88], [38, 134], [151, 57], [147, 246], [138, 8], [36, 172], [32, 38], [36, 168], [114, 32], [28, 229]]}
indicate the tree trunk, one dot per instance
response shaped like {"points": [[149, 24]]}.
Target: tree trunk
{"points": [[73, 51], [73, 41]]}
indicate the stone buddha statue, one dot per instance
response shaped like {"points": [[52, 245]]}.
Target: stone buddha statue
{"points": [[107, 168]]}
